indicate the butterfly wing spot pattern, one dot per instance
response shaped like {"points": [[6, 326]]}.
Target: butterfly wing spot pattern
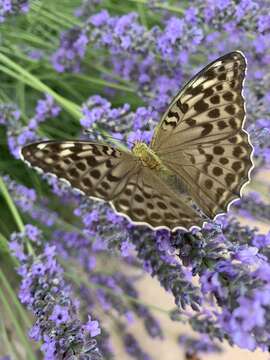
{"points": [[147, 199], [201, 136], [200, 140], [97, 170]]}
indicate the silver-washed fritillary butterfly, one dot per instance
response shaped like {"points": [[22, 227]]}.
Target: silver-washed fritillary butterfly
{"points": [[199, 154]]}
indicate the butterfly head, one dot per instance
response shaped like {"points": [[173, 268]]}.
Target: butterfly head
{"points": [[148, 157]]}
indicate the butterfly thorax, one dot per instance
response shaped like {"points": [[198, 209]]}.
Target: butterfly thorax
{"points": [[148, 157]]}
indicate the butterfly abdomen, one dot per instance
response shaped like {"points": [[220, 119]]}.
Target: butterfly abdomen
{"points": [[148, 157]]}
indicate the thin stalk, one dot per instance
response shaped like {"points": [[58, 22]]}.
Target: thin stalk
{"points": [[161, 6], [20, 90], [15, 300], [6, 341], [102, 82], [17, 53], [29, 38], [17, 326], [78, 279], [11, 206], [57, 23], [73, 21], [4, 244], [15, 213], [34, 82], [142, 15], [4, 229], [103, 69], [14, 75]]}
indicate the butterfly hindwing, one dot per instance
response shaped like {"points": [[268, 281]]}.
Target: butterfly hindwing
{"points": [[200, 138], [147, 199]]}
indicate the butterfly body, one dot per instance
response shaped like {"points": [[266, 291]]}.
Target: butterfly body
{"points": [[148, 157], [200, 154]]}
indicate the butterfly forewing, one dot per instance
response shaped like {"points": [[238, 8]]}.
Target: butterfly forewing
{"points": [[200, 137], [97, 170]]}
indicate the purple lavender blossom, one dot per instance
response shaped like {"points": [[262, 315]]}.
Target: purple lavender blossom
{"points": [[26, 199], [176, 34], [194, 346], [92, 326], [9, 113], [12, 7], [20, 135], [132, 347], [72, 49], [44, 291], [98, 110], [87, 8]]}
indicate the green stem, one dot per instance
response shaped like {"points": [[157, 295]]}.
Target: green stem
{"points": [[11, 205], [17, 326], [5, 247], [17, 53], [9, 100], [103, 69], [6, 340], [73, 21], [14, 75], [3, 244], [29, 38], [34, 82], [44, 13], [161, 6], [102, 82], [142, 15], [20, 89], [14, 298], [15, 213]]}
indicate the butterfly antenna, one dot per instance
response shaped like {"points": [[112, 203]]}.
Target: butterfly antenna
{"points": [[147, 127], [90, 131]]}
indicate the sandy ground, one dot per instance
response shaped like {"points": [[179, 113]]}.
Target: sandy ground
{"points": [[168, 349]]}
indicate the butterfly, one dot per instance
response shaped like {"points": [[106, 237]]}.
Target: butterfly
{"points": [[200, 157]]}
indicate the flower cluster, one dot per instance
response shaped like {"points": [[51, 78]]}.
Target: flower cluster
{"points": [[143, 50], [26, 198], [242, 266], [12, 7], [87, 8], [120, 123], [97, 110], [252, 205], [133, 348], [259, 134], [73, 48], [195, 346], [45, 293], [19, 134]]}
